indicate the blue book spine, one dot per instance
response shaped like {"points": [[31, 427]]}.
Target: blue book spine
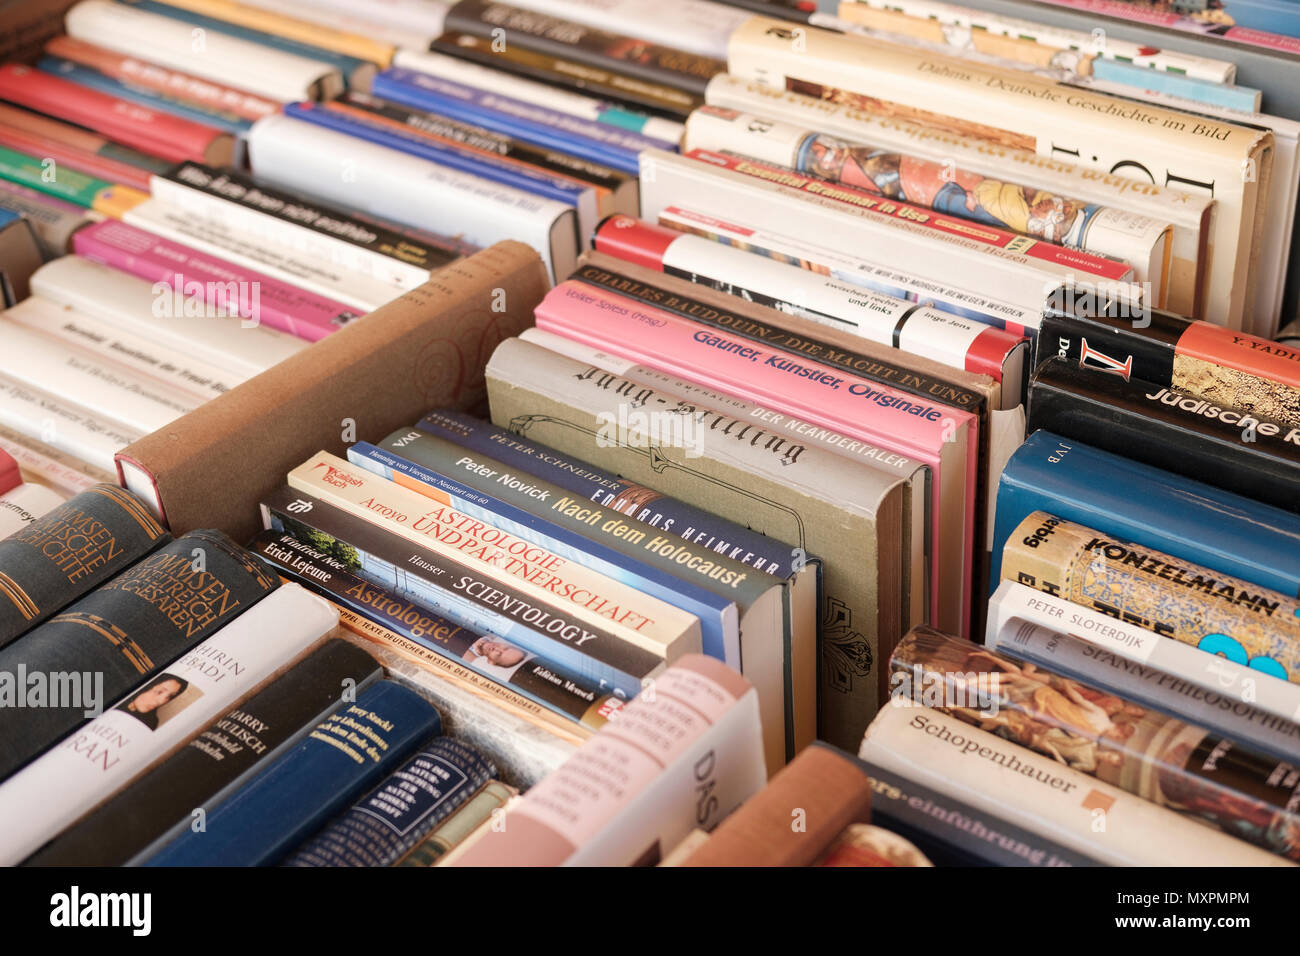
{"points": [[597, 142], [339, 759], [476, 164], [1243, 98], [92, 79], [668, 514], [389, 821], [1269, 16], [710, 608], [346, 65], [1148, 506]]}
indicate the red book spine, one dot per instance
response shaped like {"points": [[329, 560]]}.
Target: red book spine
{"points": [[10, 476], [153, 132]]}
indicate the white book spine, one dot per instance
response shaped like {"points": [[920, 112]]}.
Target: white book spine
{"points": [[1256, 691], [262, 254], [345, 256], [410, 190], [81, 377], [168, 365], [525, 90], [117, 746], [695, 26], [20, 506], [63, 426], [214, 56], [132, 305], [403, 23], [1072, 808]]}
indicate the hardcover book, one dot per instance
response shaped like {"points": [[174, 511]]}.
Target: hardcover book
{"points": [[453, 831]]}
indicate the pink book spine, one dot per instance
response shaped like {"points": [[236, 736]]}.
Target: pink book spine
{"points": [[251, 294], [811, 391]]}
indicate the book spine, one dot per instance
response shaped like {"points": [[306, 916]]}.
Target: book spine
{"points": [[953, 833], [339, 759], [622, 547], [126, 631], [34, 414], [895, 375], [69, 185], [10, 476], [21, 505], [1216, 692], [453, 831], [890, 321], [158, 805], [667, 132], [162, 80], [699, 28], [55, 154], [53, 220], [48, 466], [610, 491], [1158, 592], [597, 142], [114, 748], [1116, 495], [1044, 795], [176, 369], [399, 813], [78, 374], [593, 657], [245, 204], [1217, 444], [649, 62], [1201, 774], [1105, 232], [1228, 96], [701, 719], [158, 134], [69, 551], [158, 260]]}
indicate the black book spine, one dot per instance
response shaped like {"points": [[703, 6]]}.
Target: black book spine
{"points": [[397, 815], [151, 810], [64, 672], [1145, 353], [1153, 424], [73, 549]]}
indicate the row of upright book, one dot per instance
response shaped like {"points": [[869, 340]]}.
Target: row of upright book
{"points": [[884, 413]]}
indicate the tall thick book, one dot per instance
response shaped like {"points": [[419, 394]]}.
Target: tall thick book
{"points": [[1150, 506], [1201, 774], [498, 667], [1031, 113], [120, 635], [1159, 592], [617, 492], [1050, 799], [920, 330], [866, 526], [1240, 701], [392, 819], [699, 728], [158, 718], [168, 316], [410, 189], [274, 74], [792, 820], [362, 741], [951, 832], [1198, 438], [70, 551], [936, 434], [159, 805], [176, 85], [1010, 276], [434, 340], [1196, 358], [1063, 220], [156, 133], [1190, 215], [456, 828]]}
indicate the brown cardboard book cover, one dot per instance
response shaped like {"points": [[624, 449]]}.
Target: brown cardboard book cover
{"points": [[425, 350], [792, 820]]}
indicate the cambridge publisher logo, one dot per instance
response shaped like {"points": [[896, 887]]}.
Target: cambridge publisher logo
{"points": [[76, 909]]}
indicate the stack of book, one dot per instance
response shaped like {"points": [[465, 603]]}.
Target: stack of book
{"points": [[689, 433]]}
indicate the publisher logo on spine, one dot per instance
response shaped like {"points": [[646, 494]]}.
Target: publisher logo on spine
{"points": [[180, 297]]}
